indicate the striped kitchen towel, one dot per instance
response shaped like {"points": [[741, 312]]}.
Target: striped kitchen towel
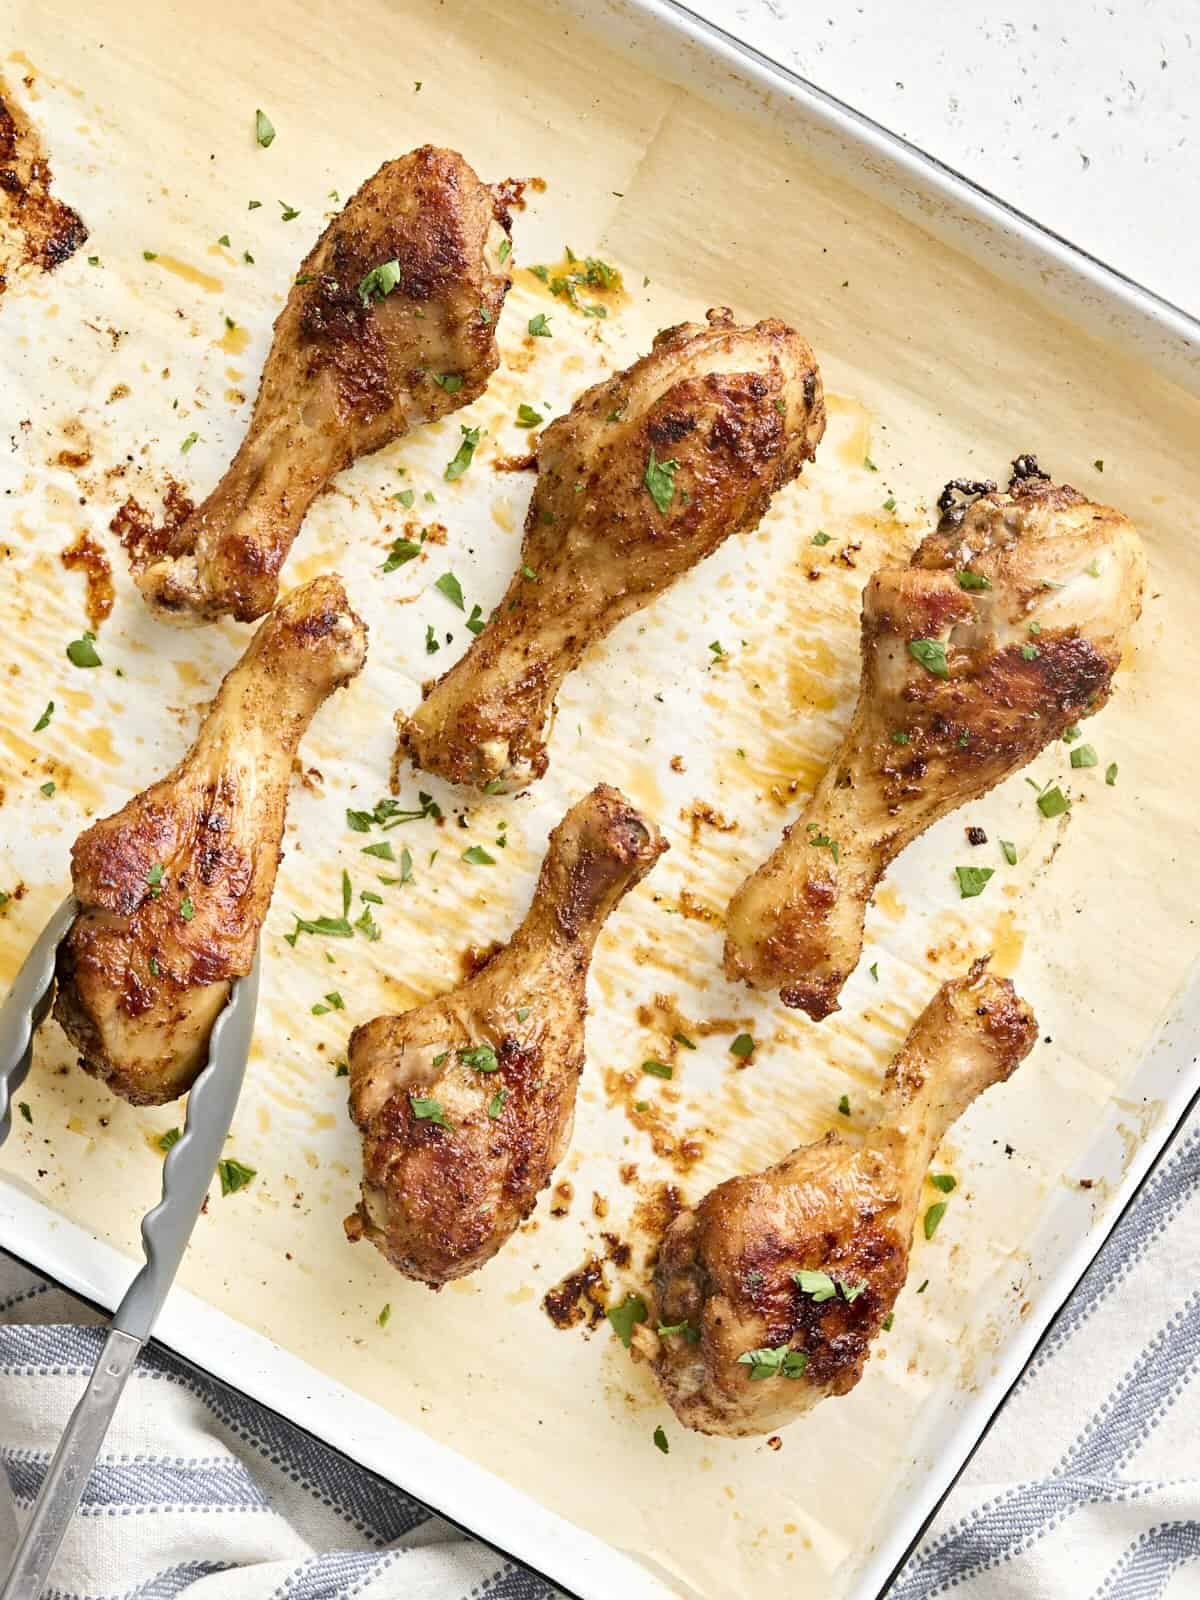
{"points": [[1087, 1487]]}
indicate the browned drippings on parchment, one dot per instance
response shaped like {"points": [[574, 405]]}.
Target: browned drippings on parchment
{"points": [[36, 230]]}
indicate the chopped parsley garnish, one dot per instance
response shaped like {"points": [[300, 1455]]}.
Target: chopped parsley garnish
{"points": [[368, 927], [717, 649], [821, 537], [1053, 803], [972, 580], [844, 1105], [379, 282], [933, 1216], [658, 1069], [233, 1175], [822, 841], [478, 856], [888, 1322], [254, 205], [873, 969], [385, 1316], [406, 498], [332, 1002], [682, 1038], [149, 255], [496, 1104], [166, 1140], [449, 585], [529, 574], [153, 967], [890, 505], [476, 622], [1110, 774], [899, 736], [819, 1285], [389, 813], [402, 551], [450, 381], [742, 1046], [224, 239], [1070, 734], [943, 1181], [539, 326], [188, 442], [82, 652], [1093, 568], [505, 249], [931, 653], [23, 1108], [691, 1334], [1084, 755], [971, 880], [1010, 851], [463, 457], [482, 1058], [522, 1013], [431, 645], [264, 131], [624, 1317], [186, 909], [1098, 464], [869, 464], [382, 849], [659, 479], [288, 212], [781, 1362], [660, 1439], [527, 417], [429, 1111], [1030, 652], [154, 879], [48, 788]]}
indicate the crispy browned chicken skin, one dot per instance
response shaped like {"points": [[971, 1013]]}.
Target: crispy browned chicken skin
{"points": [[402, 289], [1005, 628], [175, 886], [466, 1103], [727, 1269], [717, 418]]}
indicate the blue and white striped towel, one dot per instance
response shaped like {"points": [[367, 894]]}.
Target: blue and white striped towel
{"points": [[1087, 1488]]}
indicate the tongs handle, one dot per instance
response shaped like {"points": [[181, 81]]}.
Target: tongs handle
{"points": [[27, 1006], [67, 1475], [166, 1229]]}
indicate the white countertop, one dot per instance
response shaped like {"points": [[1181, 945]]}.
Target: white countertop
{"points": [[1081, 113]]}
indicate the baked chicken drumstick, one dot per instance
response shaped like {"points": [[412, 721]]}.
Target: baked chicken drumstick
{"points": [[400, 294], [466, 1103], [174, 888], [777, 1283], [646, 475], [1005, 628]]}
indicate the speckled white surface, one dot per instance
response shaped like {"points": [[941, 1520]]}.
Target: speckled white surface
{"points": [[1081, 113]]}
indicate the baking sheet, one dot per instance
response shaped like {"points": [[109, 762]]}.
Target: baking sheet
{"points": [[934, 369]]}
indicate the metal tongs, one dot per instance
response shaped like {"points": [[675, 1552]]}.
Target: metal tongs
{"points": [[187, 1173]]}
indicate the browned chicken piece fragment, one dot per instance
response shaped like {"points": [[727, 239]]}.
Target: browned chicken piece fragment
{"points": [[173, 889], [1005, 628], [390, 322], [778, 1282], [466, 1103], [646, 475], [36, 229]]}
